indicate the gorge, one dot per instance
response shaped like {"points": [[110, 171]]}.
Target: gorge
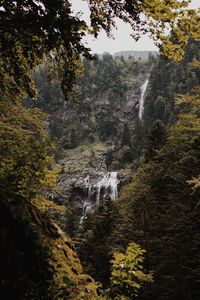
{"points": [[117, 175], [120, 152], [100, 164], [99, 134]]}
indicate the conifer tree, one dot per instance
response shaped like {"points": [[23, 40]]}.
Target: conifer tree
{"points": [[161, 209], [156, 139], [95, 245]]}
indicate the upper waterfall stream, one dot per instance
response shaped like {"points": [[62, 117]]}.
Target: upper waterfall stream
{"points": [[141, 102]]}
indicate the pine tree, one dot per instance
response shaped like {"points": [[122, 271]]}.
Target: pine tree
{"points": [[156, 139], [95, 245]]}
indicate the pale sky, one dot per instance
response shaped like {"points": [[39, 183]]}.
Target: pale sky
{"points": [[122, 41]]}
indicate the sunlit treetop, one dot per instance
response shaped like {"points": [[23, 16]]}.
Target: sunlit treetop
{"points": [[156, 17], [159, 12]]}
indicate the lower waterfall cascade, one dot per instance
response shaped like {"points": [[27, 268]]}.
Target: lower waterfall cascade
{"points": [[105, 186]]}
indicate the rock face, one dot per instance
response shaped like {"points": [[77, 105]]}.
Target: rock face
{"points": [[94, 169], [105, 104], [104, 117], [100, 134], [85, 180]]}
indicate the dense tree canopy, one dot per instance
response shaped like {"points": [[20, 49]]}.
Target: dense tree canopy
{"points": [[169, 80], [33, 30], [161, 209], [36, 30]]}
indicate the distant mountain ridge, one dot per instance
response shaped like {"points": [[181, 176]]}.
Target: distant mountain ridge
{"points": [[136, 54]]}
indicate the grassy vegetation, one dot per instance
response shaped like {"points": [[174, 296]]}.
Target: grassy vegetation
{"points": [[79, 158]]}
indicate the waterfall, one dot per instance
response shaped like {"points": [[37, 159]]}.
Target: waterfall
{"points": [[107, 185], [109, 181], [87, 207], [141, 102]]}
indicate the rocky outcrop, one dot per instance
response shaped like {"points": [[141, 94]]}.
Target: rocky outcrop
{"points": [[84, 179]]}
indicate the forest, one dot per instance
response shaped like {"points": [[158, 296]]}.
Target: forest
{"points": [[100, 153]]}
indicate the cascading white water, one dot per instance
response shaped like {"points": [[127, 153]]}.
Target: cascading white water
{"points": [[87, 207], [107, 185], [141, 102], [108, 181]]}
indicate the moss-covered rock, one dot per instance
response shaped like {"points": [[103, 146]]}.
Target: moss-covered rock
{"points": [[37, 260]]}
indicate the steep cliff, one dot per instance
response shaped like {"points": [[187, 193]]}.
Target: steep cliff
{"points": [[101, 131]]}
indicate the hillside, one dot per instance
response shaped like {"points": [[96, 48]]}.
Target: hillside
{"points": [[143, 55], [99, 132]]}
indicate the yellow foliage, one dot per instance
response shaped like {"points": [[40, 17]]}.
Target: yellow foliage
{"points": [[195, 182], [162, 16], [127, 275], [25, 150], [190, 100], [43, 204]]}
